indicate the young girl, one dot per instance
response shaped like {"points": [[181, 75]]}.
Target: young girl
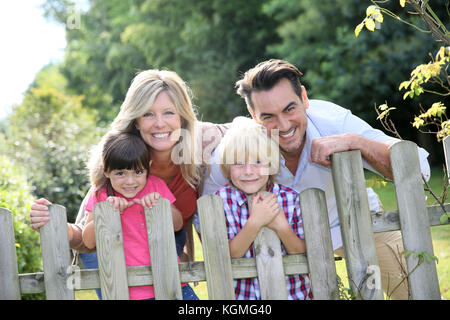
{"points": [[249, 160], [130, 188]]}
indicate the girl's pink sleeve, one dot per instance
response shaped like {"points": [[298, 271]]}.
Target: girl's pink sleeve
{"points": [[91, 203]]}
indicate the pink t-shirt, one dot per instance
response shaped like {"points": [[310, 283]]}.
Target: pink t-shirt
{"points": [[134, 230]]}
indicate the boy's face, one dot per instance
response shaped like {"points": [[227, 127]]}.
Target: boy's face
{"points": [[127, 182], [250, 177]]}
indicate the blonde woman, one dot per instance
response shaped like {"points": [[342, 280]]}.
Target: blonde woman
{"points": [[158, 108]]}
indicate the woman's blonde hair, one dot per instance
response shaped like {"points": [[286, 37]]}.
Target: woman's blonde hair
{"points": [[247, 141], [141, 95]]}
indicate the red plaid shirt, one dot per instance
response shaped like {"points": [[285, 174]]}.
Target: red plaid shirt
{"points": [[237, 214]]}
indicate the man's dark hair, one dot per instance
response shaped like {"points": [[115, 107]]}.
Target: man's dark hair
{"points": [[265, 76]]}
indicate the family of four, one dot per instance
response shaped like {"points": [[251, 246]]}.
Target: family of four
{"points": [[283, 149]]}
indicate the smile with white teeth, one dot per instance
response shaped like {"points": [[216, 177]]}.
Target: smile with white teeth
{"points": [[288, 135], [161, 135]]}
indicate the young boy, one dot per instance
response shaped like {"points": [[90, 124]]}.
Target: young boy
{"points": [[249, 160]]}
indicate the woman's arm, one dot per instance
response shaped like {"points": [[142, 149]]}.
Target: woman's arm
{"points": [[88, 233], [39, 216], [177, 218]]}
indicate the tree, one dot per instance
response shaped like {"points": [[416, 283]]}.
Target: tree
{"points": [[208, 42], [357, 73], [49, 135], [15, 195], [425, 75]]}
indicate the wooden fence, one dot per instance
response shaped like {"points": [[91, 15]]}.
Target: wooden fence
{"points": [[413, 218]]}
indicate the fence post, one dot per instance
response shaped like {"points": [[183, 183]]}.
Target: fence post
{"points": [[356, 225], [446, 145], [110, 254], [9, 273], [319, 248], [269, 263], [56, 255], [163, 253], [216, 252], [414, 221]]}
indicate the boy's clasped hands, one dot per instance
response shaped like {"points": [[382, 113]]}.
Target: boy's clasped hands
{"points": [[266, 212], [148, 201]]}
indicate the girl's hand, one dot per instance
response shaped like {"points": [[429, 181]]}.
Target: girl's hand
{"points": [[149, 200], [119, 203]]}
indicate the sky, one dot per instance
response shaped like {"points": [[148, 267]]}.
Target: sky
{"points": [[28, 43]]}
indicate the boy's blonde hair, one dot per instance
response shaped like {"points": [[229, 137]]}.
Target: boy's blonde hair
{"points": [[247, 141]]}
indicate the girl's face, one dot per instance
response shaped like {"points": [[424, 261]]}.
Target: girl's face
{"points": [[159, 127], [250, 177], [127, 182]]}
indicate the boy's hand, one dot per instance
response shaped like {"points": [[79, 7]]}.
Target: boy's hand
{"points": [[119, 203], [279, 222], [149, 200], [264, 210]]}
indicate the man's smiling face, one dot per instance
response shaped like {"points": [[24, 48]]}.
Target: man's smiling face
{"points": [[282, 112]]}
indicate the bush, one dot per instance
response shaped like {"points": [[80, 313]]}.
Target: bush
{"points": [[15, 195], [50, 133]]}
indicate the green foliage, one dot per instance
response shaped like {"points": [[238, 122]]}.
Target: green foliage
{"points": [[50, 134], [357, 73], [15, 195], [208, 42]]}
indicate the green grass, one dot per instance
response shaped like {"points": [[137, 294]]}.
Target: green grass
{"points": [[440, 236]]}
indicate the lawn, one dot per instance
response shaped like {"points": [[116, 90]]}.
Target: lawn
{"points": [[440, 236]]}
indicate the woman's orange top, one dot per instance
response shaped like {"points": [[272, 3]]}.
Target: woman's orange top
{"points": [[186, 197]]}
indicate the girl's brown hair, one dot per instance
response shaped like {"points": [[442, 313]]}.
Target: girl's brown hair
{"points": [[122, 151]]}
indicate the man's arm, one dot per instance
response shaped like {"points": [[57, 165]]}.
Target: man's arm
{"points": [[374, 152]]}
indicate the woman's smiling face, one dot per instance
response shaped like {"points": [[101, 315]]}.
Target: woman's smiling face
{"points": [[159, 127]]}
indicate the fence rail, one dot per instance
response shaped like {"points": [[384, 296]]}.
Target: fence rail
{"points": [[413, 218]]}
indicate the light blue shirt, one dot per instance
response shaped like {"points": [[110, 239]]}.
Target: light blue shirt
{"points": [[324, 119]]}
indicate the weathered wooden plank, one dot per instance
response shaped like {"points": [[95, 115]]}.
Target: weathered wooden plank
{"points": [[319, 247], [272, 281], [110, 254], [163, 253], [446, 145], [267, 248], [215, 248], [356, 225], [390, 220], [414, 221], [9, 273], [56, 254], [242, 268]]}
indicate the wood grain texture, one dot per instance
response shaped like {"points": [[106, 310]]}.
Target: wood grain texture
{"points": [[110, 254], [242, 268], [414, 220], [56, 254], [163, 253], [269, 263], [319, 248], [9, 274], [356, 225], [216, 252]]}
